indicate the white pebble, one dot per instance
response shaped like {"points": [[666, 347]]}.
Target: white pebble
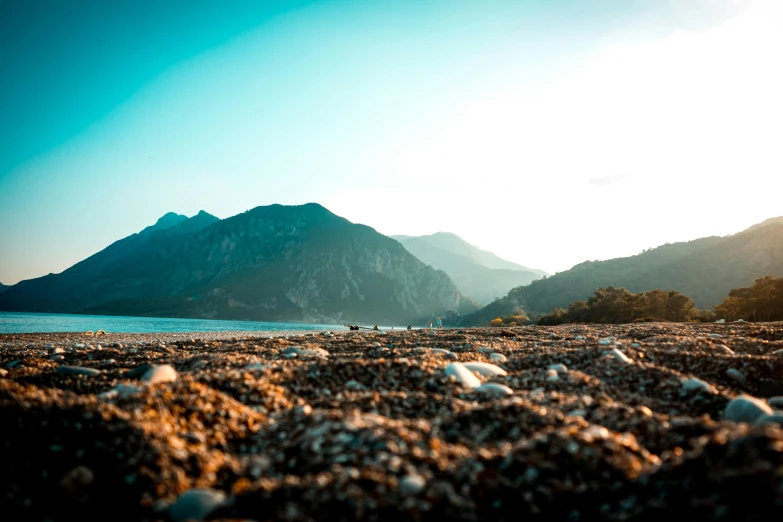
{"points": [[160, 374], [497, 357], [559, 368], [485, 369], [462, 375], [412, 485], [620, 356]]}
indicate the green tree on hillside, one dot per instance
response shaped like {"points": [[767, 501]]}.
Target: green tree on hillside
{"points": [[761, 302], [618, 305]]}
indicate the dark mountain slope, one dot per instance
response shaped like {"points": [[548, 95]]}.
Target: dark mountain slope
{"points": [[270, 263]]}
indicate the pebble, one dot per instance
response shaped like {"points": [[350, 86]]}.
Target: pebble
{"points": [[440, 351], [735, 375], [196, 504], [485, 349], [620, 356], [725, 349], [774, 418], [559, 368], [57, 350], [411, 485], [694, 384], [354, 385], [775, 402], [493, 387], [160, 374], [56, 358], [77, 370], [745, 408], [3, 373], [122, 389], [604, 342], [485, 369], [462, 375], [497, 358]]}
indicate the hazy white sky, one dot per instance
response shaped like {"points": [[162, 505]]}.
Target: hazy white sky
{"points": [[548, 133]]}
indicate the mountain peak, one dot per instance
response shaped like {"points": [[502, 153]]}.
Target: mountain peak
{"points": [[767, 222], [168, 220]]}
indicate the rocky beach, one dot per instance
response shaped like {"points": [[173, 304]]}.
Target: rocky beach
{"points": [[577, 422]]}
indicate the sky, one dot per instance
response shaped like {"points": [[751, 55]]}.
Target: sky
{"points": [[550, 132]]}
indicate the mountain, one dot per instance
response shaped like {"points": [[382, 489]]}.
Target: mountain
{"points": [[766, 223], [481, 275], [275, 263], [704, 269], [3, 288], [456, 245]]}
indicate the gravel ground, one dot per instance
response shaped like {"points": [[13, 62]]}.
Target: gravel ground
{"points": [[630, 422]]}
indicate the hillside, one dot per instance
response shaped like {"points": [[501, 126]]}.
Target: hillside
{"points": [[3, 288], [464, 264], [704, 269], [280, 263]]}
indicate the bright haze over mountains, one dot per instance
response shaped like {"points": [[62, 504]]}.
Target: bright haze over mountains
{"points": [[547, 132]]}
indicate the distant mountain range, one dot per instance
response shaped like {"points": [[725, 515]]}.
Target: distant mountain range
{"points": [[477, 273], [704, 269], [274, 263]]}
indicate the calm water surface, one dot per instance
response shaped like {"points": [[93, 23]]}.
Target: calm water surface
{"points": [[19, 322]]}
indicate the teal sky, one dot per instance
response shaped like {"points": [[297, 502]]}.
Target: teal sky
{"points": [[479, 118]]}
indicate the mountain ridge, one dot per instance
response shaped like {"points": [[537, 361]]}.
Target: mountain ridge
{"points": [[474, 279], [705, 269], [276, 262]]}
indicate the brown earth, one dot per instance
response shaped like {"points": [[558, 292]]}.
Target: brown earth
{"points": [[375, 430]]}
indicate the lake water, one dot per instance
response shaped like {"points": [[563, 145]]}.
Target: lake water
{"points": [[19, 322]]}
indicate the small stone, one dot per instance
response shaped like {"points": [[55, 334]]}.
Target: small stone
{"points": [[497, 358], [735, 375], [559, 368], [57, 350], [620, 356], [411, 485], [485, 349], [160, 374], [636, 345], [775, 402], [715, 336], [354, 385], [604, 342], [196, 504], [56, 358], [485, 369], [77, 370], [493, 387], [439, 350], [313, 352], [694, 384], [137, 372], [255, 367], [725, 349], [3, 373], [462, 375], [775, 417], [76, 479], [745, 408]]}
